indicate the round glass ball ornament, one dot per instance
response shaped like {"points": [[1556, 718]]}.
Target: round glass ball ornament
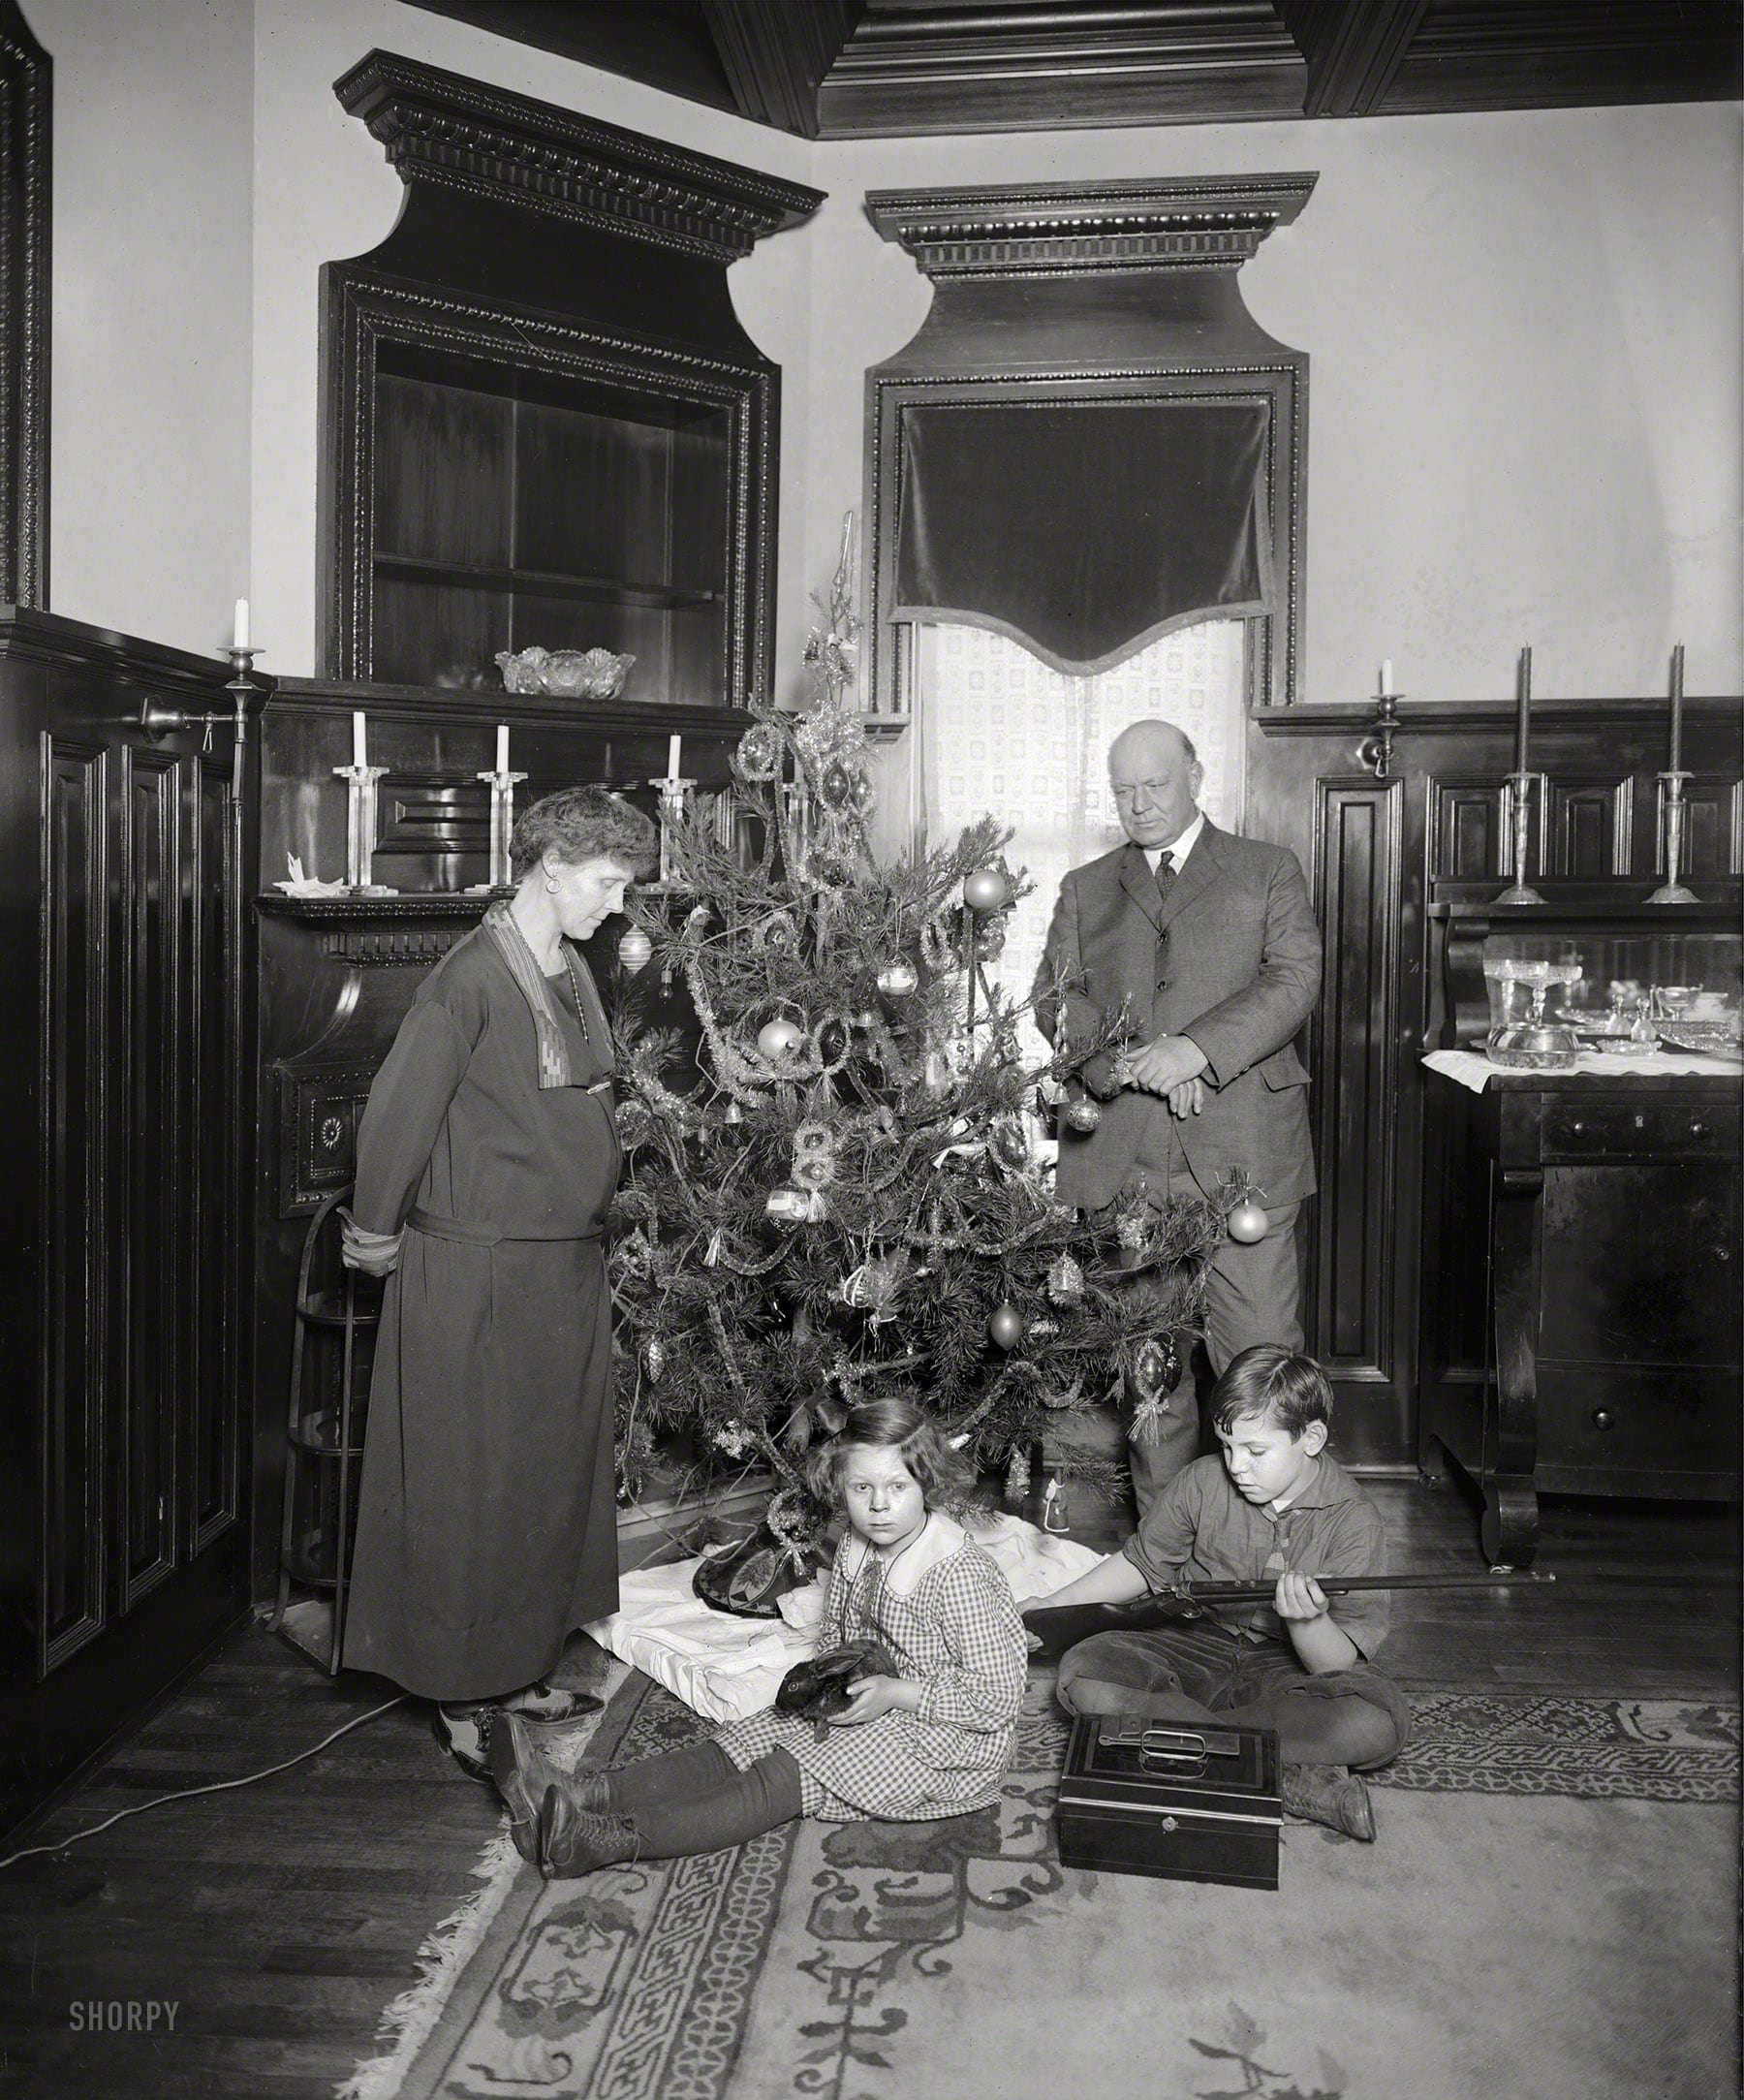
{"points": [[778, 1037], [1248, 1222], [634, 951], [1005, 1326], [898, 980], [986, 890], [1083, 1114]]}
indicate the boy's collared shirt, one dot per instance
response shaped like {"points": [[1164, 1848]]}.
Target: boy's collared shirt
{"points": [[1202, 1529]]}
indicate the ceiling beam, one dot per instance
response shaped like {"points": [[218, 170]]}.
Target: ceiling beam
{"points": [[1353, 47]]}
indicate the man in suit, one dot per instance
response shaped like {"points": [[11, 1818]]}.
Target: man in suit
{"points": [[1208, 943]]}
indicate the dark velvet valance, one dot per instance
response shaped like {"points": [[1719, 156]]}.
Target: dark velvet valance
{"points": [[1084, 531]]}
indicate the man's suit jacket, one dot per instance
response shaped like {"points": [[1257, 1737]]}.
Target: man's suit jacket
{"points": [[1230, 957]]}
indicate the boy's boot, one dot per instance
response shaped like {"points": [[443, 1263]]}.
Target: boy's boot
{"points": [[523, 1773], [1328, 1794], [569, 1842]]}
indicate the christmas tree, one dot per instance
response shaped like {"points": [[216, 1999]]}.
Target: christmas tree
{"points": [[852, 1194]]}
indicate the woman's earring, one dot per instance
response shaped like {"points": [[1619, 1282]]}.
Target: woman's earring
{"points": [[552, 886]]}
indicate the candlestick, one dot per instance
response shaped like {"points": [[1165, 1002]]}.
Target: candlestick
{"points": [[1524, 721], [502, 762], [239, 640], [360, 756], [1386, 684], [1677, 676], [1518, 806], [1672, 806], [360, 822]]}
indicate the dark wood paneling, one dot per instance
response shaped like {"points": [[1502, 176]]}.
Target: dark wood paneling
{"points": [[1357, 1102], [74, 1069], [1591, 827], [123, 1036]]}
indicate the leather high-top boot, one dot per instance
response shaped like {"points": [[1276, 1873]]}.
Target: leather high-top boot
{"points": [[524, 1774], [1328, 1794], [572, 1841]]}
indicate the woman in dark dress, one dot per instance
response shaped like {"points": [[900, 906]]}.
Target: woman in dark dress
{"points": [[486, 1161]]}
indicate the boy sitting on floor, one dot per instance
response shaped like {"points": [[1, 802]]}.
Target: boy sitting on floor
{"points": [[1273, 1504]]}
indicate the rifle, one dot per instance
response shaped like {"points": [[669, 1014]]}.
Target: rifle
{"points": [[1062, 1628]]}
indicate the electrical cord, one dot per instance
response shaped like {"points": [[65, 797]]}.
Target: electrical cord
{"points": [[216, 1786]]}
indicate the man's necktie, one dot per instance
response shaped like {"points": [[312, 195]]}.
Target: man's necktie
{"points": [[1166, 874]]}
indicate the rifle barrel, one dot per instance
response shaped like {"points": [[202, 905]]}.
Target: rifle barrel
{"points": [[1337, 1586]]}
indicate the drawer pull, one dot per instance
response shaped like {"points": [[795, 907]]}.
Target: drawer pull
{"points": [[1640, 1122], [1576, 1126], [1697, 1129], [1603, 1419], [1723, 1254]]}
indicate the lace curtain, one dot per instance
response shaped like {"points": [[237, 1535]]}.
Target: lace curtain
{"points": [[1005, 735]]}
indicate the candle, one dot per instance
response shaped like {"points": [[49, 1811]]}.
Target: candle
{"points": [[240, 639], [674, 745], [359, 757], [1525, 715], [1386, 684], [1677, 708], [502, 763]]}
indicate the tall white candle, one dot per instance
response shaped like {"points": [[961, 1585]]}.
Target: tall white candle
{"points": [[502, 763], [674, 747], [1386, 684], [358, 754], [240, 639]]}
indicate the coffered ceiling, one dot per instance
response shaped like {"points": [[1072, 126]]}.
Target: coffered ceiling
{"points": [[852, 69]]}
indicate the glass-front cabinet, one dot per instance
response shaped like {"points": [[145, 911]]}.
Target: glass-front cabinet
{"points": [[1618, 993]]}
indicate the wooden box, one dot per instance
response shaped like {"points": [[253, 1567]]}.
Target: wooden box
{"points": [[1181, 1801]]}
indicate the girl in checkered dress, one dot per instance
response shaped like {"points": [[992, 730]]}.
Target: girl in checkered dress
{"points": [[935, 1738]]}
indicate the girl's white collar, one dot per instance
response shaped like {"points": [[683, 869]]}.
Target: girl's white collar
{"points": [[941, 1538]]}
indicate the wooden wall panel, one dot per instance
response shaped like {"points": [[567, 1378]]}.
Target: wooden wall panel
{"points": [[154, 1053], [1357, 1098], [215, 1424], [1591, 827], [75, 1231]]}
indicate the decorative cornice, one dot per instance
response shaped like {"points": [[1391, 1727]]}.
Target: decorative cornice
{"points": [[1036, 228], [441, 127]]}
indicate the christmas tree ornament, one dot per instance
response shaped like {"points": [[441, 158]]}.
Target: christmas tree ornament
{"points": [[777, 935], [1065, 1280], [936, 1074], [732, 1113], [833, 1040], [1005, 1326], [814, 1155], [778, 1038], [1083, 1114], [938, 946], [1248, 1222], [759, 754], [989, 939], [1050, 1093], [898, 980], [835, 785], [987, 890], [1017, 1474], [1155, 1368], [634, 951], [1009, 1143], [875, 1286], [863, 797], [654, 1359], [794, 1206]]}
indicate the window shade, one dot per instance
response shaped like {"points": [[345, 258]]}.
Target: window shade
{"points": [[1084, 531]]}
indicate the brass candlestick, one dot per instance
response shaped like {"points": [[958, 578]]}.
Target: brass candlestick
{"points": [[1673, 808], [1519, 813]]}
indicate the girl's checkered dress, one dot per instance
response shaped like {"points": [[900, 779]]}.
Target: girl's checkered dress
{"points": [[949, 1620]]}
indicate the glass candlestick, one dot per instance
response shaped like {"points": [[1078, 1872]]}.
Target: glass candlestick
{"points": [[502, 785], [1674, 808], [675, 797], [1519, 813], [360, 824]]}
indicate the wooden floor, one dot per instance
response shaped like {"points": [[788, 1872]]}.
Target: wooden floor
{"points": [[281, 1918]]}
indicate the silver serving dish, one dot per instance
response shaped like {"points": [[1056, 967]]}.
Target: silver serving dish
{"points": [[1713, 1038]]}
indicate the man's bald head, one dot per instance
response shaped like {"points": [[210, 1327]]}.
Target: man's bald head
{"points": [[1156, 776]]}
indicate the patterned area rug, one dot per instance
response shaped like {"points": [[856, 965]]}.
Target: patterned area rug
{"points": [[1550, 1910]]}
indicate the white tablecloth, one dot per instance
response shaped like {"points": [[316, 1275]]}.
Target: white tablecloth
{"points": [[1470, 1068]]}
